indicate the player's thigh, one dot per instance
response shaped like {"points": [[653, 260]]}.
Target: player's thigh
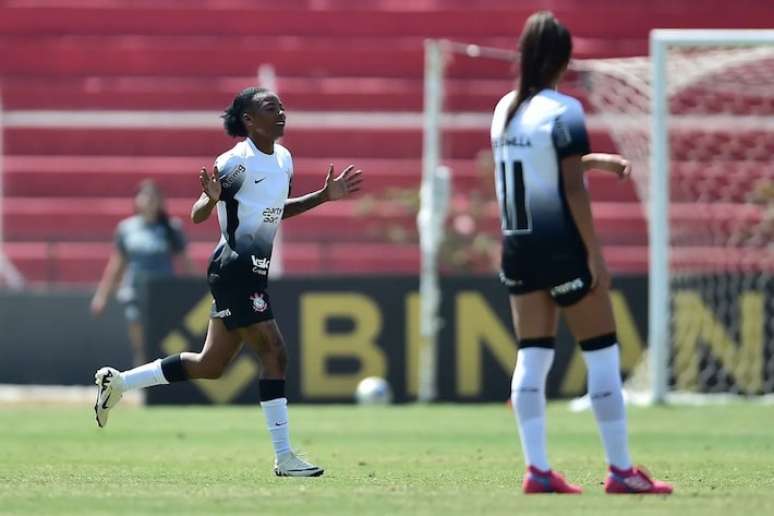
{"points": [[534, 314], [592, 316], [263, 337], [221, 344]]}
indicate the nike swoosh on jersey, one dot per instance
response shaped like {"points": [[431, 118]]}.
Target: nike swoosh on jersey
{"points": [[259, 180]]}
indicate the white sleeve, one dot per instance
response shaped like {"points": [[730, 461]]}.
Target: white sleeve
{"points": [[231, 174], [227, 164]]}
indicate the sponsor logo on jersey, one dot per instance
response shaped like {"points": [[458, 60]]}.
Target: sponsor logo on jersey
{"points": [[237, 174], [570, 286], [222, 314], [272, 215], [260, 265], [259, 303]]}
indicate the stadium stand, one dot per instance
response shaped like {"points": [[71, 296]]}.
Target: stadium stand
{"points": [[67, 186]]}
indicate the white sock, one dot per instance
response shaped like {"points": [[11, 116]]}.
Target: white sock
{"points": [[276, 413], [604, 385], [144, 376], [528, 398]]}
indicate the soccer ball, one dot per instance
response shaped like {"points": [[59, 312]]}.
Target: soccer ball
{"points": [[373, 391]]}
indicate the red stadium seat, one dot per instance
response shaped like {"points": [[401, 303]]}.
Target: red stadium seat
{"points": [[354, 143], [116, 176], [66, 187]]}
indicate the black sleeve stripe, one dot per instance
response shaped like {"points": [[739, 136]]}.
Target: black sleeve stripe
{"points": [[505, 203], [232, 220]]}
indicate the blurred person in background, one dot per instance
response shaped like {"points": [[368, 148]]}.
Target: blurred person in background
{"points": [[146, 246]]}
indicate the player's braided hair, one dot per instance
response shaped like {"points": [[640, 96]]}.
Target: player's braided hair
{"points": [[545, 46], [232, 116]]}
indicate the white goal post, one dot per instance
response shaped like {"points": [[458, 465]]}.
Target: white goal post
{"points": [[9, 275], [659, 309], [434, 199]]}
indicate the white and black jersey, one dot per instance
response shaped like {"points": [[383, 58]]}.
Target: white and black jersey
{"points": [[255, 187], [542, 247], [527, 153]]}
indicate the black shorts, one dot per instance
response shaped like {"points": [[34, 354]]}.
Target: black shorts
{"points": [[564, 273], [240, 296]]}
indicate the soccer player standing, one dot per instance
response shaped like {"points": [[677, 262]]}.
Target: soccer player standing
{"points": [[146, 245], [250, 186], [552, 259]]}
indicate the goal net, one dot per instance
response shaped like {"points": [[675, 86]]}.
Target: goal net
{"points": [[711, 226], [695, 119]]}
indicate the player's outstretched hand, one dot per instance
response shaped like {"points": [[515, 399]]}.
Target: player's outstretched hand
{"points": [[210, 184], [614, 163], [346, 183], [622, 167]]}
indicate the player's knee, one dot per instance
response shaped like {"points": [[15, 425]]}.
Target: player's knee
{"points": [[282, 359], [277, 349]]}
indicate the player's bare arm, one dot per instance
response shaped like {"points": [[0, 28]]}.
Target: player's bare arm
{"points": [[614, 163], [345, 184], [114, 271], [209, 198], [580, 207]]}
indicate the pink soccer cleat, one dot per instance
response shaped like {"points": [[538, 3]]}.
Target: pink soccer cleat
{"points": [[537, 481], [635, 480]]}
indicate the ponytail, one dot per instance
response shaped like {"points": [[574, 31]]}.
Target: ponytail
{"points": [[545, 46], [149, 186], [169, 231]]}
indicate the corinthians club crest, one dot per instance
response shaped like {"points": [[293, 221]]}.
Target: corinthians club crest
{"points": [[259, 303]]}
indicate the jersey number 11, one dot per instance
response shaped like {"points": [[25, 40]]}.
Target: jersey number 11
{"points": [[513, 202]]}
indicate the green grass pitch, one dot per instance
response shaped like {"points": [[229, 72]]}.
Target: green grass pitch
{"points": [[439, 460]]}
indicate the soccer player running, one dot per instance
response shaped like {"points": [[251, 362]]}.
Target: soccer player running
{"points": [[552, 259], [249, 186]]}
